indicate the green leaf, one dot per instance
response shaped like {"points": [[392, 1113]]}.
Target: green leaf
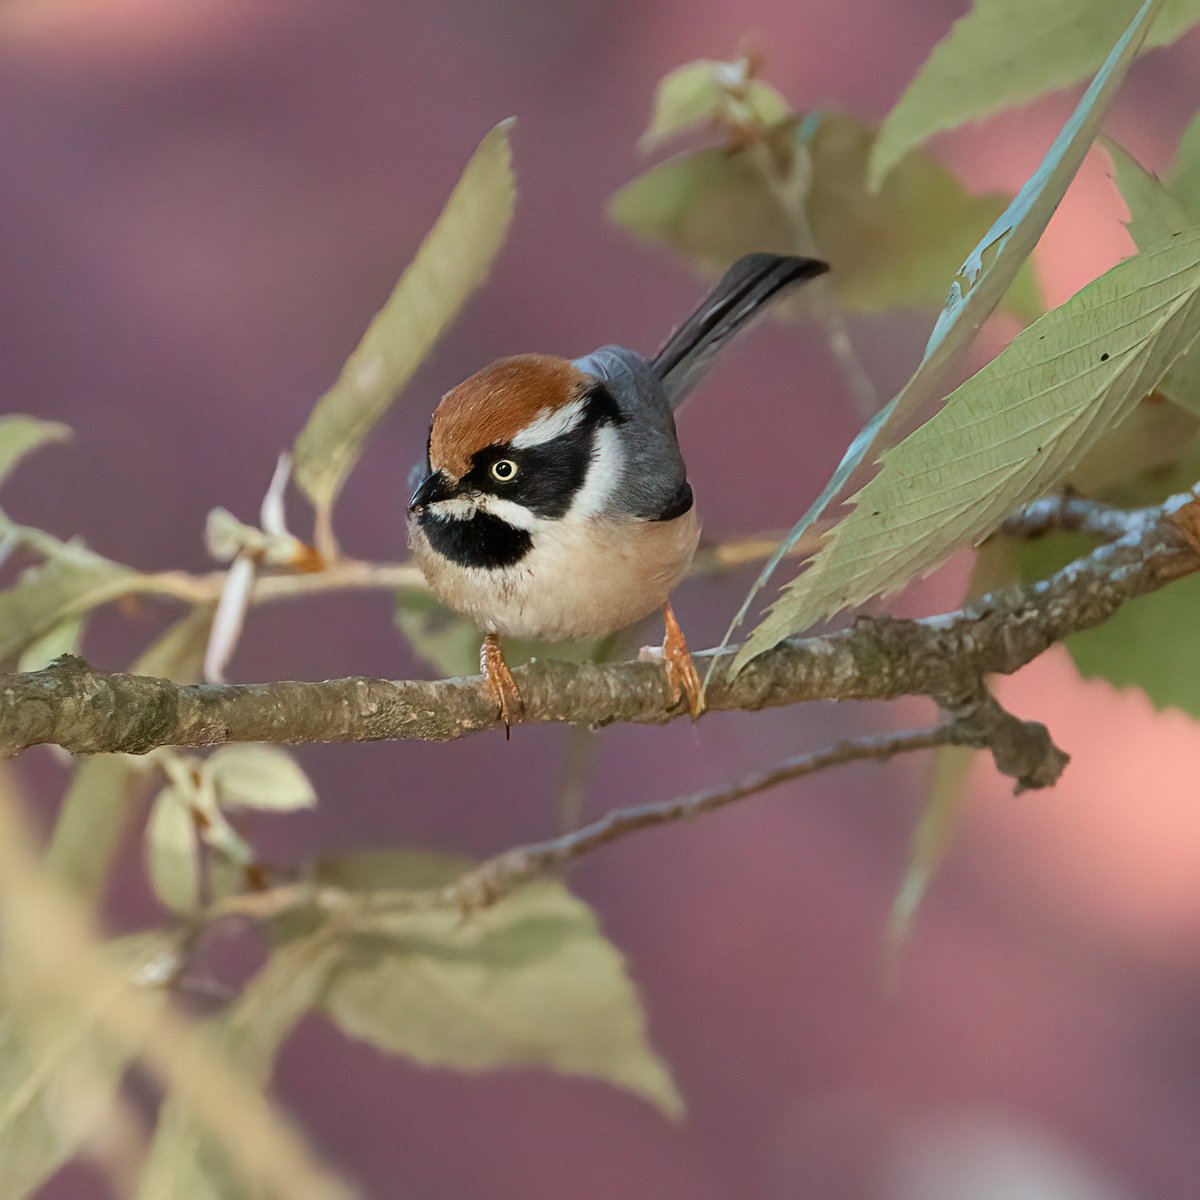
{"points": [[530, 981], [53, 1093], [1004, 437], [1005, 52], [259, 776], [1184, 177], [894, 249], [451, 263], [1155, 213], [50, 593], [983, 279], [99, 805], [445, 642], [64, 638], [1151, 643], [185, 1163], [171, 851], [20, 436], [704, 90], [451, 645]]}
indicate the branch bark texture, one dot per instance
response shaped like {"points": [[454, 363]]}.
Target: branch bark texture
{"points": [[944, 657]]}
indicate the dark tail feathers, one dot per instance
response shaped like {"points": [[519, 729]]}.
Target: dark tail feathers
{"points": [[741, 294]]}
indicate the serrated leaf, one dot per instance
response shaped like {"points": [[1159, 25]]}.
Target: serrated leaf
{"points": [[1151, 643], [185, 1163], [20, 436], [50, 593], [451, 263], [983, 279], [1005, 436], [699, 91], [530, 981], [894, 249], [259, 776], [64, 638], [1005, 52], [171, 851], [1155, 213]]}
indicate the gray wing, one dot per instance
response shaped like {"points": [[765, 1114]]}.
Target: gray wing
{"points": [[654, 482]]}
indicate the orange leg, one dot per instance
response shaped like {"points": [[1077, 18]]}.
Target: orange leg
{"points": [[501, 685], [682, 678]]}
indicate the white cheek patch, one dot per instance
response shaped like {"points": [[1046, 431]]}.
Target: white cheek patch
{"points": [[603, 475], [509, 511], [458, 509], [549, 424]]}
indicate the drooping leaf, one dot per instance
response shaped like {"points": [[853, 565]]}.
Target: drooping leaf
{"points": [[450, 645], [1005, 52], [64, 638], [171, 851], [982, 280], [1004, 437], [451, 263], [1151, 643], [99, 803], [530, 981], [185, 1162], [1184, 177], [50, 593], [20, 436], [893, 249], [259, 776]]}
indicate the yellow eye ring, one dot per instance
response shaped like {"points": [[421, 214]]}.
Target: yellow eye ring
{"points": [[504, 470]]}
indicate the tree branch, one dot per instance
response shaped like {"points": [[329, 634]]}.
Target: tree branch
{"points": [[87, 711]]}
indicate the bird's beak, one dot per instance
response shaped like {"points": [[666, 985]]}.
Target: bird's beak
{"points": [[435, 487]]}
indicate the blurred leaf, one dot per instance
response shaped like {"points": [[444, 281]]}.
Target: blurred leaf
{"points": [[445, 642], [530, 981], [1005, 52], [984, 278], [185, 1163], [99, 803], [50, 593], [931, 839], [1004, 437], [699, 92], [64, 638], [20, 436], [451, 645], [451, 263], [259, 776], [171, 851], [1184, 177], [54, 1091], [894, 249], [1151, 643]]}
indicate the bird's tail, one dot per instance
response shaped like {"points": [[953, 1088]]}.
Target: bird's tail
{"points": [[744, 290]]}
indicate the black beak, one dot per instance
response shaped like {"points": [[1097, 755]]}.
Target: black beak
{"points": [[435, 487]]}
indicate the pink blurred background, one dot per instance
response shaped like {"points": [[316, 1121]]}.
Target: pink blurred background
{"points": [[206, 200]]}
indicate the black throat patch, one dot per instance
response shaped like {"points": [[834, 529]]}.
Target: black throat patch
{"points": [[483, 540]]}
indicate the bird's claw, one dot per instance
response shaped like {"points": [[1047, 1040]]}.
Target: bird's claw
{"points": [[682, 677], [500, 684]]}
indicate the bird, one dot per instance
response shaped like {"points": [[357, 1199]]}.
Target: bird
{"points": [[554, 503]]}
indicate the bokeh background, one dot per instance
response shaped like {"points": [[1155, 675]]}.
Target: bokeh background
{"points": [[204, 201]]}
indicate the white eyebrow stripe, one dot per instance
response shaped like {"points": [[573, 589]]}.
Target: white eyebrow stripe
{"points": [[549, 424], [603, 475]]}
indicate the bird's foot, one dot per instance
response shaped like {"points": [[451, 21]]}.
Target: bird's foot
{"points": [[682, 677], [500, 684]]}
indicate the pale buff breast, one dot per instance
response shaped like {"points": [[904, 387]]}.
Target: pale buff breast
{"points": [[581, 580]]}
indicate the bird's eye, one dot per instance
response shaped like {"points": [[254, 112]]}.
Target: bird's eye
{"points": [[504, 470]]}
